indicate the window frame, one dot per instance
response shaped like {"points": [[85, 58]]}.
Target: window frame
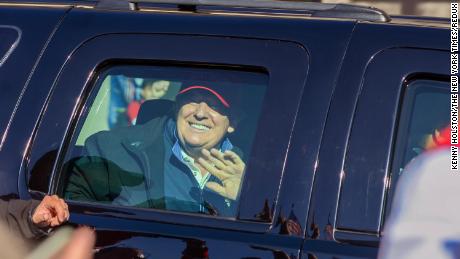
{"points": [[400, 143], [270, 55], [58, 178]]}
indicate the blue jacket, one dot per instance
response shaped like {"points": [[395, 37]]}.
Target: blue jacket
{"points": [[137, 166]]}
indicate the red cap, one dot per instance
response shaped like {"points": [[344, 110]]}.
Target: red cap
{"points": [[216, 94]]}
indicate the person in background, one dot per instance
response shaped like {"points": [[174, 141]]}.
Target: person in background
{"points": [[32, 218], [22, 221], [123, 90], [439, 139], [151, 89], [424, 218]]}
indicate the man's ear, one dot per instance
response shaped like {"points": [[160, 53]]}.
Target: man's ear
{"points": [[230, 129]]}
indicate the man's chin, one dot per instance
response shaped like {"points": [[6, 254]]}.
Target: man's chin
{"points": [[193, 146]]}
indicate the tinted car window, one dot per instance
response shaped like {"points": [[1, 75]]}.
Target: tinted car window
{"points": [[173, 138], [424, 114]]}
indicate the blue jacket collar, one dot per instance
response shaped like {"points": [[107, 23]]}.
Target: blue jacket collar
{"points": [[171, 134]]}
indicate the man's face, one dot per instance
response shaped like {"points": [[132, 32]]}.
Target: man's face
{"points": [[200, 126]]}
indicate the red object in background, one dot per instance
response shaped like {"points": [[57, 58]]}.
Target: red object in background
{"points": [[441, 139], [132, 111]]}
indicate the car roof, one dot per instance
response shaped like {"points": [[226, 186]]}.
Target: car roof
{"points": [[306, 9], [421, 21], [287, 9]]}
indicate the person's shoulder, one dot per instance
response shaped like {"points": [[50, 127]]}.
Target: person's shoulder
{"points": [[111, 135], [129, 133], [154, 123]]}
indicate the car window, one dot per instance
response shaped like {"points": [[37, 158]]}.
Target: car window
{"points": [[174, 138], [425, 113]]}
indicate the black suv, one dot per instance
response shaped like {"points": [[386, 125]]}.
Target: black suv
{"points": [[334, 101]]}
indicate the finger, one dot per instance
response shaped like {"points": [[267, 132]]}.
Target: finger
{"points": [[215, 161], [41, 217], [54, 204], [45, 216], [53, 222], [80, 245], [233, 156], [37, 217], [61, 214], [216, 153], [217, 188], [64, 204], [40, 210], [66, 209], [213, 170]]}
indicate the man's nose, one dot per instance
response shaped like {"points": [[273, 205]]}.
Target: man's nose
{"points": [[202, 110]]}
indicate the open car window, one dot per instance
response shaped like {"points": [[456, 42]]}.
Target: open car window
{"points": [[165, 137]]}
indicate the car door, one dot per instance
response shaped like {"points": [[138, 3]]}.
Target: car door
{"points": [[389, 94], [165, 234], [22, 44], [275, 193]]}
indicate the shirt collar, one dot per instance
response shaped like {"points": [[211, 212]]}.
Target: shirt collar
{"points": [[177, 149]]}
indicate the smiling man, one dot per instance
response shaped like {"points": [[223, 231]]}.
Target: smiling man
{"points": [[183, 162]]}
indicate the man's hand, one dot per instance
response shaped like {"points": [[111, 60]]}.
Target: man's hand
{"points": [[52, 211], [227, 167], [80, 245]]}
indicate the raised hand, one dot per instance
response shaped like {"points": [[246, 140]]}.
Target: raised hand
{"points": [[52, 211], [227, 167]]}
